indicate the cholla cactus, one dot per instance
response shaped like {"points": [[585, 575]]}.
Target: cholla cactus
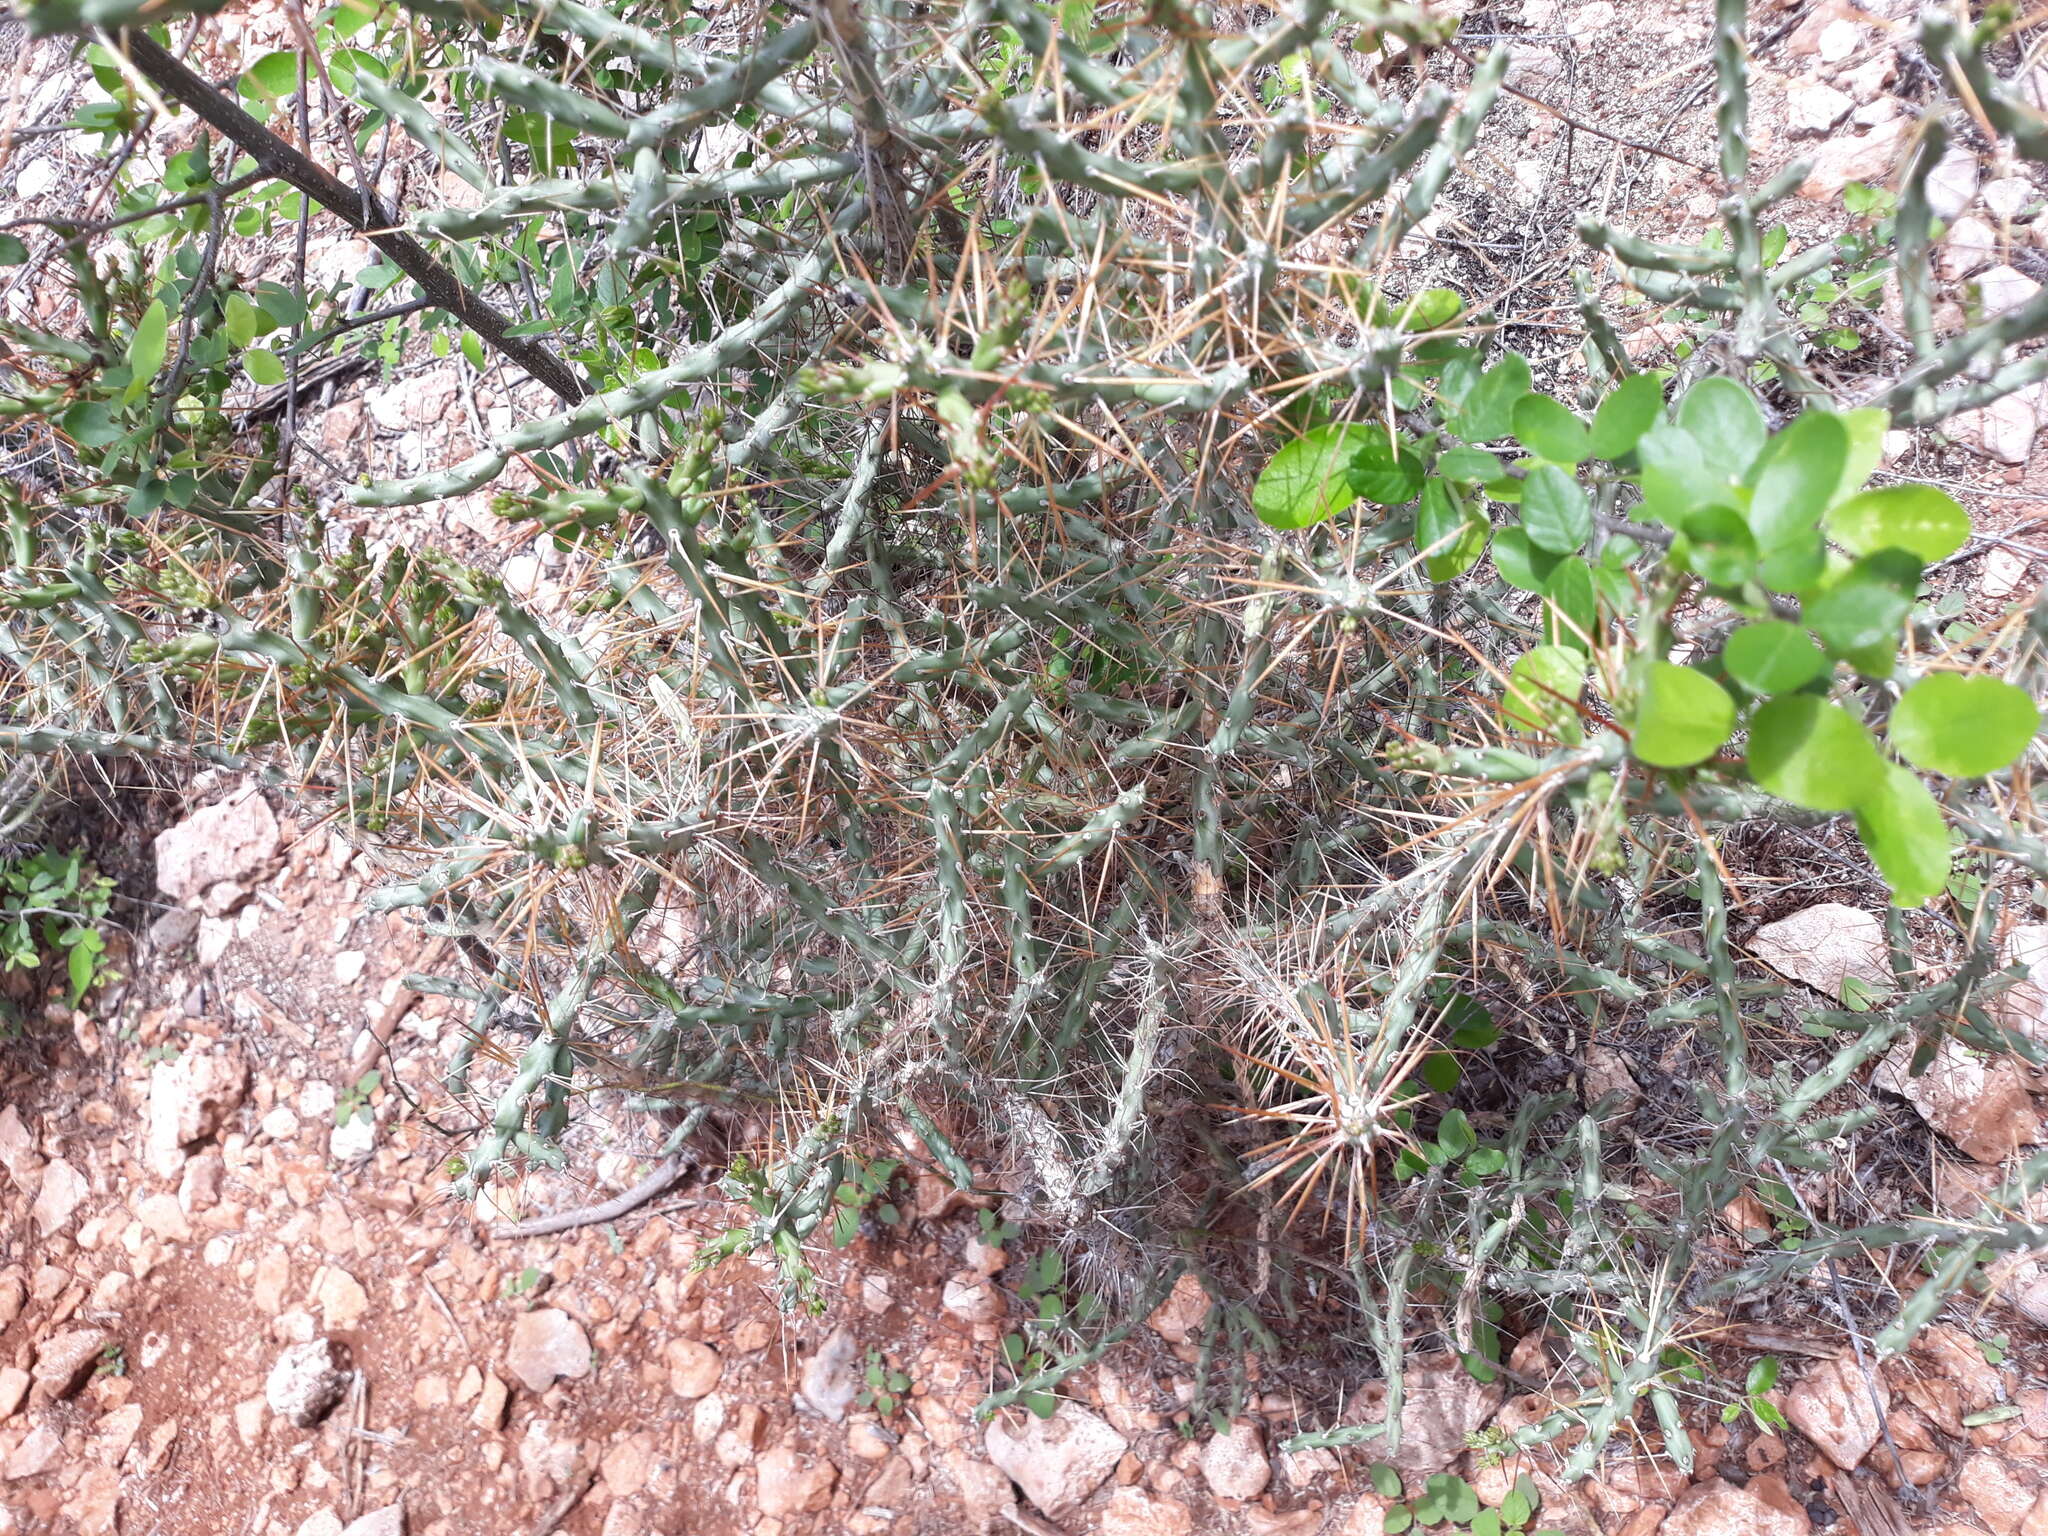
{"points": [[966, 719]]}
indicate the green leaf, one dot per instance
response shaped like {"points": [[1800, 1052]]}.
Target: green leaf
{"points": [[1682, 717], [1866, 429], [1916, 518], [1630, 409], [1397, 1519], [1571, 614], [1773, 657], [1806, 750], [1543, 688], [1044, 1404], [1386, 1482], [1455, 1135], [1488, 412], [263, 365], [146, 348], [1519, 1506], [12, 252], [1440, 1071], [1383, 469], [1547, 429], [1867, 604], [1903, 828], [1555, 512], [1520, 563], [240, 319], [1717, 545], [1672, 471], [1309, 479], [1724, 420], [1469, 466], [1431, 309], [1964, 727], [1799, 481], [275, 75], [1452, 532]]}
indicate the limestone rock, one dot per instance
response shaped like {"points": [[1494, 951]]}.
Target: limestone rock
{"points": [[1831, 1405], [1443, 1405], [1235, 1465], [1980, 1103], [1812, 107], [1134, 1512], [693, 1368], [547, 1343], [789, 1481], [1869, 157], [305, 1383], [388, 1521], [2001, 1494], [1763, 1507], [1186, 1307], [1825, 944], [63, 1188], [971, 1298], [2006, 427], [236, 840], [1058, 1461], [1952, 184], [64, 1360], [1969, 246], [190, 1099]]}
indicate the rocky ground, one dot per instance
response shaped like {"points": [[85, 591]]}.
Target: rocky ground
{"points": [[233, 1299]]}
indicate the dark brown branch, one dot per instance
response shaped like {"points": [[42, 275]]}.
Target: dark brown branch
{"points": [[359, 208]]}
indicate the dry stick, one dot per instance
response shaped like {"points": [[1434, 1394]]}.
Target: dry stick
{"points": [[358, 208], [665, 1173]]}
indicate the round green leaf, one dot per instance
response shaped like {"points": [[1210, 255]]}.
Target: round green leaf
{"points": [[1309, 479], [1723, 419], [1543, 691], [1799, 481], [1452, 534], [1672, 470], [1520, 563], [12, 251], [1867, 604], [1907, 836], [1962, 726], [1630, 409], [1488, 412], [1431, 309], [1717, 546], [1805, 750], [1866, 429], [275, 75], [1549, 431], [1383, 470], [148, 344], [1773, 657], [1386, 1481], [1555, 511], [1682, 717], [1468, 466], [263, 366], [1916, 518]]}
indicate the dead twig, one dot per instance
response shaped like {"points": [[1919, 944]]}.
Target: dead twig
{"points": [[665, 1173]]}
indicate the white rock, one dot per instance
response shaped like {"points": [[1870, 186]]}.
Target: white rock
{"points": [[1839, 39], [2005, 428], [348, 966], [1184, 1311], [236, 840], [1824, 945], [1058, 1461], [280, 1124], [2003, 288], [2004, 572], [36, 178], [190, 1099], [353, 1141], [1235, 1465], [1952, 184], [18, 1153], [2006, 196], [305, 1383], [1969, 246], [1868, 157], [522, 575], [63, 1188], [1813, 107], [388, 1521], [972, 1298], [322, 1522], [547, 1343], [829, 1382]]}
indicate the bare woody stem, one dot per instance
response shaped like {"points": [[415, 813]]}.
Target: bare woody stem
{"points": [[359, 208]]}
